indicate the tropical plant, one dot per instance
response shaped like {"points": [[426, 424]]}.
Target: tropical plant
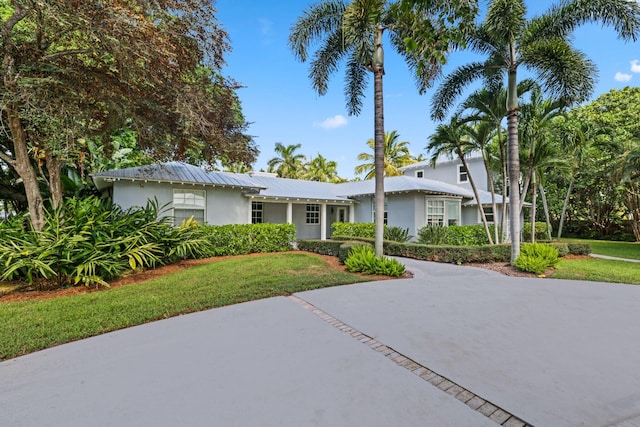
{"points": [[287, 163], [450, 139], [511, 41], [354, 32], [362, 259], [396, 155], [537, 257], [321, 169], [397, 234]]}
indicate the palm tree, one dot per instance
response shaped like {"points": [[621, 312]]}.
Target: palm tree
{"points": [[450, 139], [321, 169], [542, 44], [353, 32], [396, 155], [489, 104], [289, 164]]}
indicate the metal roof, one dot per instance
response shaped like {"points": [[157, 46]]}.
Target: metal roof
{"points": [[296, 189], [270, 187], [403, 184], [173, 172]]}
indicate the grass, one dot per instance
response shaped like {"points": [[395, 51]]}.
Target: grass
{"points": [[598, 270], [34, 325], [630, 250]]}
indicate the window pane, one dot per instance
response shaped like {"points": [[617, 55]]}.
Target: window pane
{"points": [[313, 214]]}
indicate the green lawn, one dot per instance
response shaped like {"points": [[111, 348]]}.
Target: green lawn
{"points": [[34, 325], [599, 270], [629, 250]]}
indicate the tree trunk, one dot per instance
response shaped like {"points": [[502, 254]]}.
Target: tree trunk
{"points": [[25, 170], [514, 161], [378, 72], [503, 213], [477, 196], [564, 206], [545, 206], [533, 207], [54, 167]]}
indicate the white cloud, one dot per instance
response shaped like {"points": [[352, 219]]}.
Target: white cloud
{"points": [[332, 122], [622, 77], [265, 26], [635, 66]]}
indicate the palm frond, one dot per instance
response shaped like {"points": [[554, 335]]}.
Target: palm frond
{"points": [[452, 88], [566, 73], [320, 19], [326, 60], [505, 20], [356, 82]]}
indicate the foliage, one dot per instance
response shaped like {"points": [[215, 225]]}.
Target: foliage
{"points": [[537, 257], [397, 234], [458, 235], [34, 325], [396, 155], [541, 231], [576, 248], [322, 247], [287, 164], [362, 259], [239, 239], [346, 248], [76, 69], [353, 229]]}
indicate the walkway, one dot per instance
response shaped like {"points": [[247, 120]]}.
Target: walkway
{"points": [[454, 346], [613, 258]]}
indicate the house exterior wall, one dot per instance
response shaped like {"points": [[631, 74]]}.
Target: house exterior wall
{"points": [[448, 172], [223, 205]]}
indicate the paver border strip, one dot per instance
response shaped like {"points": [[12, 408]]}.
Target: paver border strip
{"points": [[472, 400]]}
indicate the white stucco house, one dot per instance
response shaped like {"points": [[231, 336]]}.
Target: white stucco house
{"points": [[422, 196]]}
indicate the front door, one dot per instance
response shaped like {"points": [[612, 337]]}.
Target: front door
{"points": [[341, 215]]}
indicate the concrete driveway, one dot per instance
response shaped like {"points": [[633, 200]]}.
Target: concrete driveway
{"points": [[454, 346]]}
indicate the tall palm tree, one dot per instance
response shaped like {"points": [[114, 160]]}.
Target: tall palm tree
{"points": [[353, 32], [396, 155], [542, 44], [288, 164], [321, 169], [453, 139]]}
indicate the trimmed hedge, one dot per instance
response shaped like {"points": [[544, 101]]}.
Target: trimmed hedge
{"points": [[354, 229], [441, 253], [240, 239]]}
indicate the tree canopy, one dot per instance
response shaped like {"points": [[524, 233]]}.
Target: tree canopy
{"points": [[72, 69]]}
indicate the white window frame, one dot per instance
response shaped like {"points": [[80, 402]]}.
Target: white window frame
{"points": [[196, 202], [312, 214], [462, 173], [373, 210], [429, 215], [257, 212], [420, 173], [488, 212]]}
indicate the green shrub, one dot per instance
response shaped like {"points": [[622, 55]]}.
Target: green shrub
{"points": [[563, 248], [579, 248], [345, 249], [362, 259], [353, 229], [432, 235], [537, 257], [240, 239], [322, 247], [397, 234], [541, 231]]}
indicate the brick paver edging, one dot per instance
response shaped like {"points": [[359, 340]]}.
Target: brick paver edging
{"points": [[469, 398]]}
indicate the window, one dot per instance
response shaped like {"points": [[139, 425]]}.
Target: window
{"points": [[373, 211], [453, 212], [256, 212], [187, 204], [435, 212], [463, 176], [313, 213], [419, 174], [488, 213]]}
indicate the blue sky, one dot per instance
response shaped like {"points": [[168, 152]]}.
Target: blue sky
{"points": [[279, 101]]}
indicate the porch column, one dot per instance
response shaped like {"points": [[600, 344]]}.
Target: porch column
{"points": [[289, 213], [323, 221], [352, 213], [250, 218]]}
